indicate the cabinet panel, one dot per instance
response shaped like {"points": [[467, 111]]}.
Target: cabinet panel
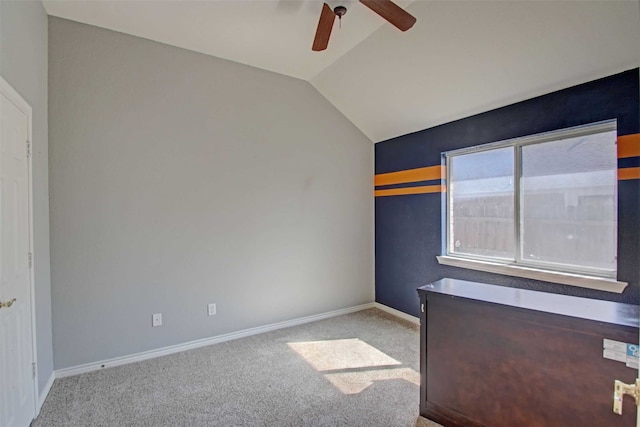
{"points": [[492, 364]]}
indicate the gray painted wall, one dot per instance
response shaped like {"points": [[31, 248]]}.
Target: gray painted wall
{"points": [[179, 179], [23, 64]]}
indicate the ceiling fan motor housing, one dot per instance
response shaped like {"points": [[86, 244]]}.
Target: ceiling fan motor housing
{"points": [[340, 11]]}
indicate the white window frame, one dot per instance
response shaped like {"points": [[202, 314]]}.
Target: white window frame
{"points": [[594, 278]]}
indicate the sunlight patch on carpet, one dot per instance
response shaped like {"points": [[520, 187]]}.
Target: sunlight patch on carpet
{"points": [[352, 365], [341, 354], [356, 382]]}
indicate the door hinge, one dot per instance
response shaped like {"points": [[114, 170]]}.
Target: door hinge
{"points": [[33, 369], [30, 259], [620, 389], [28, 148]]}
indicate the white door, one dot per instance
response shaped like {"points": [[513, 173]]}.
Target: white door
{"points": [[17, 397]]}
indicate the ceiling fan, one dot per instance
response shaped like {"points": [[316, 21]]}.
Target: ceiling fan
{"points": [[385, 8]]}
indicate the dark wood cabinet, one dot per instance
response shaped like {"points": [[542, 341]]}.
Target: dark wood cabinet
{"points": [[503, 357]]}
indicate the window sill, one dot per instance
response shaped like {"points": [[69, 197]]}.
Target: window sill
{"points": [[601, 284]]}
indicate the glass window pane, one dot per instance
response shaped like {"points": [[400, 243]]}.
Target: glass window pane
{"points": [[481, 220], [568, 201]]}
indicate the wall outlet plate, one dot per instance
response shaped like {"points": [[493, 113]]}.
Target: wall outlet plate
{"points": [[211, 309], [156, 319]]}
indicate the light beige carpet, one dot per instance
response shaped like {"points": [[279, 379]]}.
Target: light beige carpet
{"points": [[361, 369]]}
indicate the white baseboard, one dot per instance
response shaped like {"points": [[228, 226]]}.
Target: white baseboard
{"points": [[45, 392], [151, 354], [397, 313]]}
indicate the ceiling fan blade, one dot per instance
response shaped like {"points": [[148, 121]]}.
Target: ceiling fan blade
{"points": [[325, 25], [391, 12]]}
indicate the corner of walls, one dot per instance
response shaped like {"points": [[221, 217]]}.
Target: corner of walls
{"points": [[315, 82], [324, 95], [44, 392]]}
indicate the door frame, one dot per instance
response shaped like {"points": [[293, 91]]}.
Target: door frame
{"points": [[7, 90]]}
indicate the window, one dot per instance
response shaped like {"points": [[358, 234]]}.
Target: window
{"points": [[546, 202]]}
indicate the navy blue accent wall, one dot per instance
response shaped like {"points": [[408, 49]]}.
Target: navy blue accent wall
{"points": [[408, 227]]}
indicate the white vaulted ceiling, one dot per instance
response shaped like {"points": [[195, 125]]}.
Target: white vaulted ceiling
{"points": [[460, 58], [275, 35], [467, 57]]}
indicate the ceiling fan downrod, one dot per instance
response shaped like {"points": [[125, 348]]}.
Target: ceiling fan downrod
{"points": [[340, 11]]}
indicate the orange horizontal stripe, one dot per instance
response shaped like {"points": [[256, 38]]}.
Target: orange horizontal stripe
{"points": [[411, 175], [629, 146], [628, 173], [410, 190]]}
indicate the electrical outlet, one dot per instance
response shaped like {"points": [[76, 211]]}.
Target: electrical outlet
{"points": [[156, 319], [212, 309]]}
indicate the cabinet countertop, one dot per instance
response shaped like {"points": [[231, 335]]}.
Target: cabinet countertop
{"points": [[584, 308]]}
